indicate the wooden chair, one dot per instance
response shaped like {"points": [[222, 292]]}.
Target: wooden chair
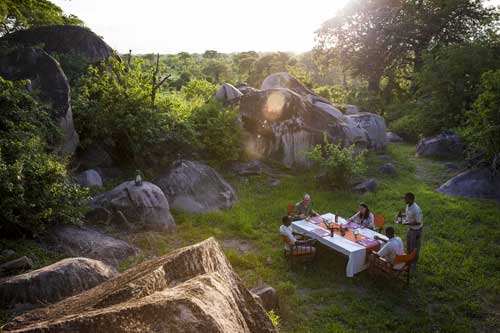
{"points": [[290, 209], [301, 251], [380, 266], [379, 223]]}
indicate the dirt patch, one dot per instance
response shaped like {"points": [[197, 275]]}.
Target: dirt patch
{"points": [[240, 245]]}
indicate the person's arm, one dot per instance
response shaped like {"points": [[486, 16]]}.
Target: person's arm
{"points": [[379, 238], [354, 217], [371, 221]]}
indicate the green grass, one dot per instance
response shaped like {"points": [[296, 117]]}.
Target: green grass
{"points": [[455, 289]]}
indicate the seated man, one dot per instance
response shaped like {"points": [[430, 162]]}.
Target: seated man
{"points": [[303, 208], [301, 246], [392, 248]]}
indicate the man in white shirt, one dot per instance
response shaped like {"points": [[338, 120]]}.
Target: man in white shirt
{"points": [[298, 246], [391, 249], [415, 222]]}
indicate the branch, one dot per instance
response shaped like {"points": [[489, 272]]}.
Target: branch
{"points": [[163, 80]]}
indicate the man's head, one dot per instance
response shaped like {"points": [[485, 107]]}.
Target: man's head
{"points": [[389, 231], [307, 199], [409, 198], [286, 221]]}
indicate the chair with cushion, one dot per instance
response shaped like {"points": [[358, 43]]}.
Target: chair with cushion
{"points": [[379, 222], [302, 251], [380, 266]]}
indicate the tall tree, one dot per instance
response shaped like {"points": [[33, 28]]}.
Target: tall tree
{"points": [[22, 14]]}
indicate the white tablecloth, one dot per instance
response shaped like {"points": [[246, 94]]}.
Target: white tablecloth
{"points": [[356, 253]]}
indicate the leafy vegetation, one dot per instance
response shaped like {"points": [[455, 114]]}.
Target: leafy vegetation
{"points": [[35, 188], [340, 165]]}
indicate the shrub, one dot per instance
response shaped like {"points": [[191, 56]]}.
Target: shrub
{"points": [[218, 132], [408, 127], [335, 94], [340, 165], [35, 187], [483, 129]]}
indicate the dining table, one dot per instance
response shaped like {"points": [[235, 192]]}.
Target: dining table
{"points": [[343, 236]]}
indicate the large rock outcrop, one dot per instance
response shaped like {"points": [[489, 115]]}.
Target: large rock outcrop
{"points": [[194, 187], [66, 39], [285, 119], [444, 145], [46, 76], [53, 283], [193, 289], [142, 206], [91, 243], [478, 183]]}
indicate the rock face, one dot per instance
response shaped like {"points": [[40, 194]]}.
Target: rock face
{"points": [[284, 120], [195, 187], [228, 92], [143, 206], [64, 39], [375, 128], [53, 283], [46, 76], [445, 145], [89, 178], [90, 243], [479, 183], [366, 186], [194, 289]]}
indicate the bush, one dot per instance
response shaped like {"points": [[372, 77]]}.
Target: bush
{"points": [[217, 130], [341, 165], [335, 94], [483, 129], [35, 188], [408, 127]]}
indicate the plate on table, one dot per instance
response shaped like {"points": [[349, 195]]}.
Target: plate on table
{"points": [[321, 232]]}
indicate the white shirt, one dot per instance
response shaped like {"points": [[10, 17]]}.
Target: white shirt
{"points": [[368, 222], [391, 249], [414, 214], [287, 231]]}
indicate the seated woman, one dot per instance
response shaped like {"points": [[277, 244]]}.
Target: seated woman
{"points": [[299, 246], [364, 217]]}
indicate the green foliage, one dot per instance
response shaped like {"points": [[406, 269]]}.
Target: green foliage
{"points": [[22, 14], [335, 94], [407, 127], [35, 187], [483, 128], [74, 66], [198, 89], [275, 319], [341, 165], [112, 106], [448, 84], [218, 132]]}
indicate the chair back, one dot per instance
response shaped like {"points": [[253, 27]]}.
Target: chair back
{"points": [[405, 258], [286, 240], [379, 221], [290, 209]]}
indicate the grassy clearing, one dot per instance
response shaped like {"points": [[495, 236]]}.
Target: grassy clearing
{"points": [[455, 289]]}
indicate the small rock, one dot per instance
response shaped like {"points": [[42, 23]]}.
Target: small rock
{"points": [[388, 169], [385, 157], [366, 186], [393, 137], [273, 181], [452, 166], [8, 252], [269, 260], [89, 178], [267, 296], [19, 264]]}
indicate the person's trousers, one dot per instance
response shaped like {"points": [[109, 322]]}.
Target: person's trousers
{"points": [[413, 242]]}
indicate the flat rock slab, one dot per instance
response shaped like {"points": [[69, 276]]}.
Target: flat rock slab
{"points": [[90, 243], [53, 283], [193, 289], [195, 187]]}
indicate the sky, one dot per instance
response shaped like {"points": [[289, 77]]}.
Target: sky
{"points": [[172, 26]]}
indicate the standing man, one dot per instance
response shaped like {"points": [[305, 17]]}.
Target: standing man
{"points": [[415, 222], [303, 208]]}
